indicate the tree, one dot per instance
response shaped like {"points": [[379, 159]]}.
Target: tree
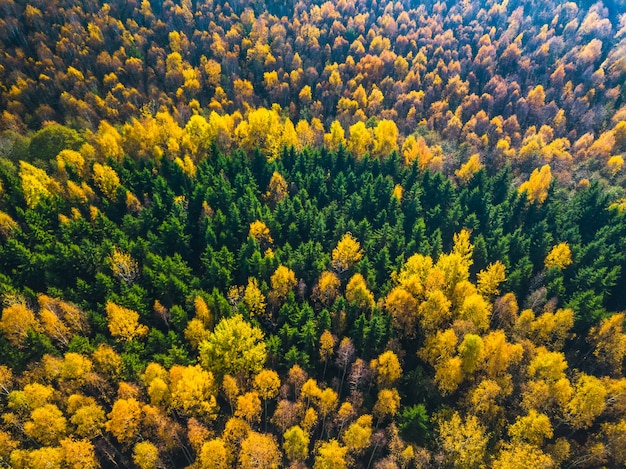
{"points": [[296, 444], [124, 420], [276, 189], [387, 368], [267, 384], [387, 404], [385, 138], [249, 407], [193, 392], [533, 429], [537, 186], [254, 298], [235, 346], [124, 267], [489, 280], [347, 253], [358, 434], [79, 454], [283, 280], [360, 140], [47, 424], [609, 340], [358, 294], [146, 455], [259, 451], [521, 456], [587, 403], [36, 184], [106, 179], [463, 441], [331, 455], [16, 321], [214, 455], [560, 256], [124, 322], [467, 170]]}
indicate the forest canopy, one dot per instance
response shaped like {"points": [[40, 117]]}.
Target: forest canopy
{"points": [[312, 234]]}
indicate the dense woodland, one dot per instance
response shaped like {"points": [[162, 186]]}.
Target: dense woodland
{"points": [[312, 234]]}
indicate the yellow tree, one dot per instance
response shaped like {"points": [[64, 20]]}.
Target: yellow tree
{"points": [[560, 256], [347, 253], [283, 280], [533, 428], [471, 167], [17, 319], [124, 420], [124, 322], [360, 140], [358, 294], [327, 288], [385, 138], [387, 368], [106, 179], [587, 403], [79, 454], [124, 267], [259, 451], [267, 384], [249, 407], [47, 424], [609, 340], [489, 280], [193, 392], [36, 184], [357, 436], [463, 441], [214, 455], [296, 444], [331, 455], [276, 189], [146, 455], [254, 298], [536, 188], [336, 137], [235, 346]]}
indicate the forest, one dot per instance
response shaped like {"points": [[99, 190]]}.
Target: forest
{"points": [[351, 234]]}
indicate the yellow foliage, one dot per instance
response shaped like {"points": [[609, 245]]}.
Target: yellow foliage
{"points": [[331, 455], [124, 322], [124, 420], [533, 428], [360, 140], [15, 323], [296, 444], [358, 294], [615, 164], [124, 267], [489, 280], [254, 298], [537, 186], [106, 179], [465, 172], [588, 402], [336, 137], [283, 280], [260, 232], [463, 441], [36, 184], [347, 253], [560, 256]]}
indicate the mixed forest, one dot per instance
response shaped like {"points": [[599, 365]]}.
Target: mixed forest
{"points": [[347, 234]]}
